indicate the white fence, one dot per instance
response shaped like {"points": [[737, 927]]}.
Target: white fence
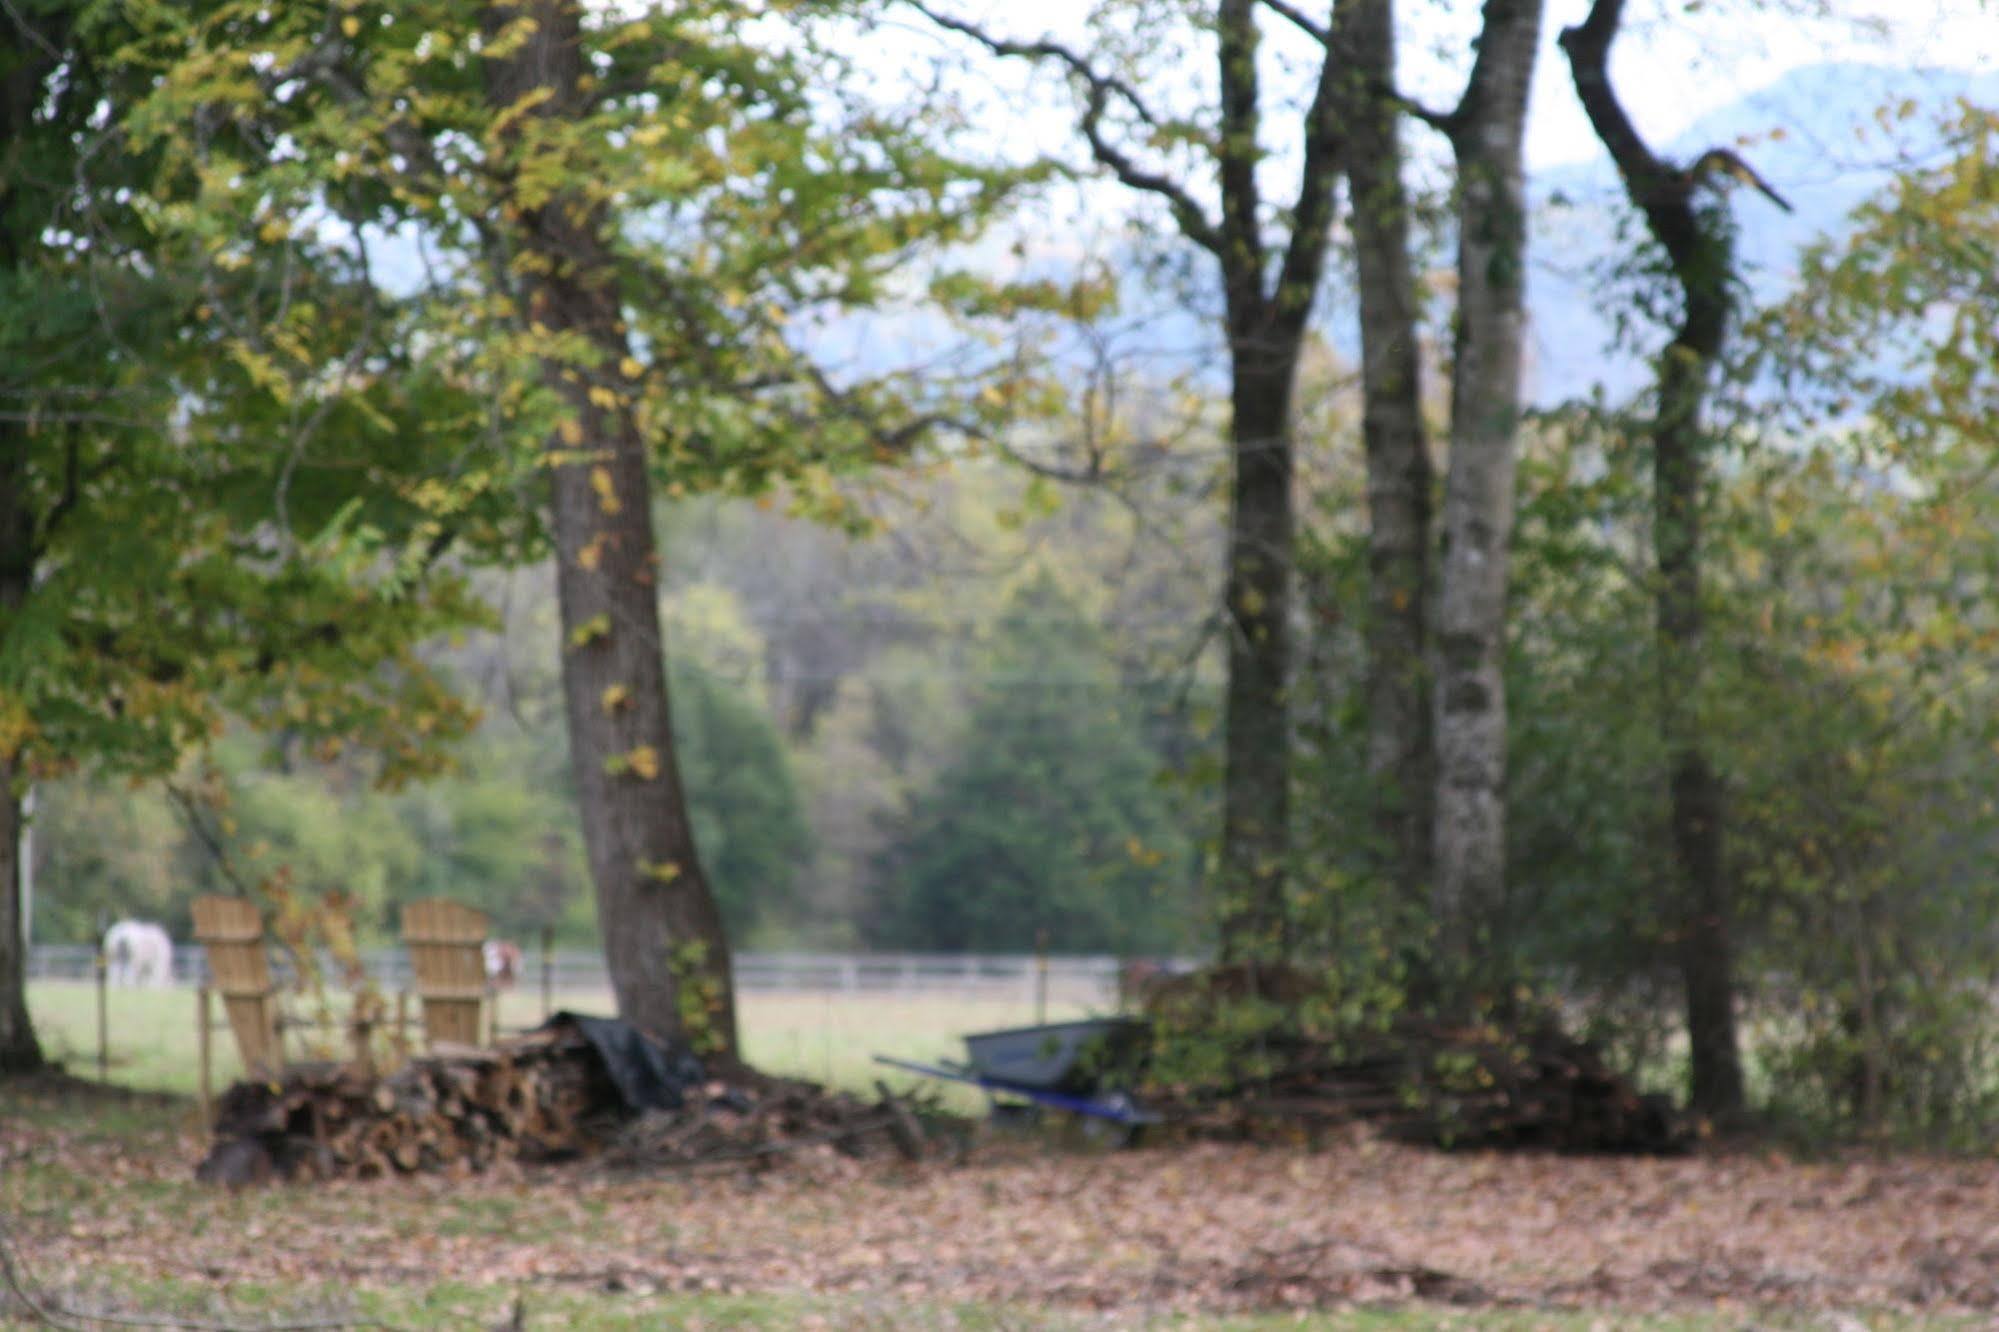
{"points": [[1076, 980]]}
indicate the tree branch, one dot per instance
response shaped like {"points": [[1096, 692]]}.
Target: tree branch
{"points": [[1588, 47], [1237, 152], [1505, 24], [1729, 162], [1318, 180], [1192, 219], [1318, 32]]}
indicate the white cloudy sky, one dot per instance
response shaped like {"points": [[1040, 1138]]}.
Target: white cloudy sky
{"points": [[1675, 65]]}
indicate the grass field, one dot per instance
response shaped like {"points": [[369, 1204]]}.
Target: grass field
{"points": [[830, 1038]]}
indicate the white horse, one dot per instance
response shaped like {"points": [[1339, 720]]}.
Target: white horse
{"points": [[140, 953]]}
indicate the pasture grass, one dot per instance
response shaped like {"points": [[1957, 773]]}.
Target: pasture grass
{"points": [[831, 1038]]}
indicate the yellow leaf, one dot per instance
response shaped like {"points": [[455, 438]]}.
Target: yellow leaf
{"points": [[631, 367], [644, 761], [591, 555], [615, 697], [607, 492], [572, 434], [603, 397], [351, 26]]}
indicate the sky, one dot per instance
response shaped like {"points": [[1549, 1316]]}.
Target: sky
{"points": [[1678, 59]]}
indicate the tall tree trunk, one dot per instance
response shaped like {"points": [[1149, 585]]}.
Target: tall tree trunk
{"points": [[1707, 963], [20, 1052], [663, 936], [1264, 336], [1487, 132], [1399, 471], [27, 61], [1256, 795], [1700, 253]]}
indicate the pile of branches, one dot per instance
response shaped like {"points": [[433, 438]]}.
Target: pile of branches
{"points": [[575, 1088], [773, 1118], [1522, 1085]]}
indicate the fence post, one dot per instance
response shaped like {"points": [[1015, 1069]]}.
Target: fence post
{"points": [[201, 1012], [547, 971], [103, 1024], [1040, 976]]}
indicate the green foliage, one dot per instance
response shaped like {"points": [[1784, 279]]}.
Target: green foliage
{"points": [[1052, 816], [498, 832], [748, 820], [725, 174], [195, 529]]}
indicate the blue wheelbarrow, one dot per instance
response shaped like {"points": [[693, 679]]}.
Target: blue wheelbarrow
{"points": [[1055, 1066]]}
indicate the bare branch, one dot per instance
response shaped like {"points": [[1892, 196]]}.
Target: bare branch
{"points": [[1318, 32], [1588, 47], [1099, 88], [1731, 163], [1318, 180]]}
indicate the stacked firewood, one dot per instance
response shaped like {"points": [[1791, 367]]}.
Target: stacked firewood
{"points": [[542, 1097]]}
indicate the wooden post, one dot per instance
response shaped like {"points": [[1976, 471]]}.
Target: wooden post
{"points": [[202, 1040], [402, 1025], [103, 1024], [547, 971], [360, 1027], [1040, 976]]}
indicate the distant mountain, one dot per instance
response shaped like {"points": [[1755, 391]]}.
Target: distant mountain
{"points": [[1815, 135]]}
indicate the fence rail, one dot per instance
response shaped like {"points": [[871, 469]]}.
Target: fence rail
{"points": [[1070, 979]]}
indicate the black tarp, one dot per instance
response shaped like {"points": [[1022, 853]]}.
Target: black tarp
{"points": [[649, 1074]]}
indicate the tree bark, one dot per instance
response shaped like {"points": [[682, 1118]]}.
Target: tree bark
{"points": [[1399, 470], [1264, 336], [20, 1051], [1487, 133], [1256, 796], [1700, 254], [663, 937]]}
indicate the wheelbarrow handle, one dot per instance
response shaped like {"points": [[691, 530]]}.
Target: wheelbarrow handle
{"points": [[1116, 1108]]}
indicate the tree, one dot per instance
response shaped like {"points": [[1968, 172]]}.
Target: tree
{"points": [[1486, 131], [181, 538], [1267, 264], [1400, 475], [1698, 245], [618, 217], [1050, 817]]}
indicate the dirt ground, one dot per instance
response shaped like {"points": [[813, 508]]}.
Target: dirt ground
{"points": [[1197, 1228]]}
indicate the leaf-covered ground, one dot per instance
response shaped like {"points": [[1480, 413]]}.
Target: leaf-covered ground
{"points": [[98, 1192]]}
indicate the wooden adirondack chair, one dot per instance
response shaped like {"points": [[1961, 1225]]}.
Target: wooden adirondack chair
{"points": [[446, 942], [231, 932]]}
